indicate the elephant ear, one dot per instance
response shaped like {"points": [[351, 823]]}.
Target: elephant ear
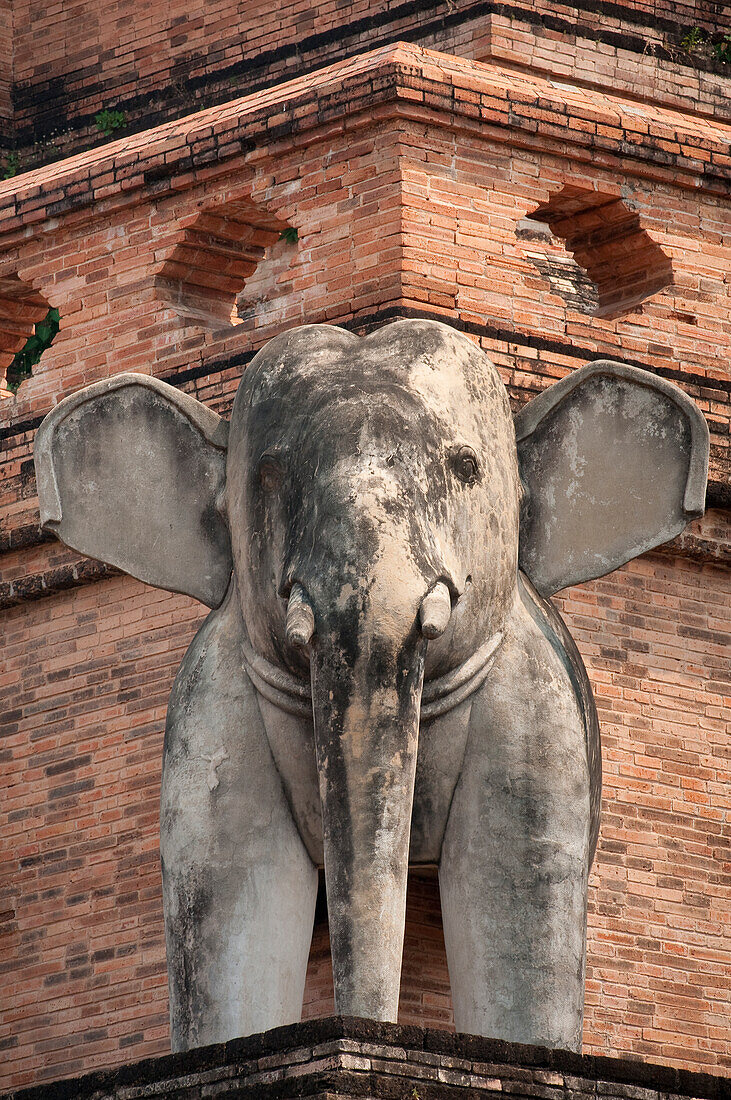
{"points": [[131, 471], [614, 461]]}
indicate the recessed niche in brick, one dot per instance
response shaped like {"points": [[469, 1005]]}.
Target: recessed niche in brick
{"points": [[261, 300], [211, 257], [594, 253], [557, 266], [22, 307]]}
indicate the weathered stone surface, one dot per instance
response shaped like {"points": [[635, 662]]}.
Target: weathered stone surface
{"points": [[615, 462], [129, 471], [380, 684]]}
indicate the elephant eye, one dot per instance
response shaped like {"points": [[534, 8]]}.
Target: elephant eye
{"points": [[271, 473], [463, 461]]}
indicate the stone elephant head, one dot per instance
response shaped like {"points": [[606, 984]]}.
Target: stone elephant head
{"points": [[382, 680]]}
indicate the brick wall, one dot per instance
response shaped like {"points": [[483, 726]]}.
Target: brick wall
{"points": [[164, 61], [6, 70], [419, 185], [655, 637], [408, 176]]}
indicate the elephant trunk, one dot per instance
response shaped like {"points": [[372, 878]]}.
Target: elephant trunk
{"points": [[367, 669]]}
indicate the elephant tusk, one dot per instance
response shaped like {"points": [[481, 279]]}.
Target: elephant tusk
{"points": [[300, 617], [436, 609]]}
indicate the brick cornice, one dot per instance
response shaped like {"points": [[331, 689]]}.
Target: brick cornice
{"points": [[39, 583], [402, 80], [48, 582], [412, 20]]}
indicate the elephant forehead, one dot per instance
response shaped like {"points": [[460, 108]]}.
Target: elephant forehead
{"points": [[347, 412], [419, 368], [398, 343]]}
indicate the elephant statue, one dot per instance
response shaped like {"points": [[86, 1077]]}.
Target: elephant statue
{"points": [[383, 680]]}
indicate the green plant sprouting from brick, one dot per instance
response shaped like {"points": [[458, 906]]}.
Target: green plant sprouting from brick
{"points": [[11, 166], [289, 234], [693, 39], [697, 42], [42, 338], [109, 121], [722, 49]]}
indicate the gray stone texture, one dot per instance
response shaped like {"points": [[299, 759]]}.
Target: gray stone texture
{"points": [[131, 471], [378, 684], [614, 461]]}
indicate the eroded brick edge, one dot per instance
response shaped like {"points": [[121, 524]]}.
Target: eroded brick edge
{"points": [[353, 1057]]}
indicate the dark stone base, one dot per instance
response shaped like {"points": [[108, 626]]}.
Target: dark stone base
{"points": [[345, 1057]]}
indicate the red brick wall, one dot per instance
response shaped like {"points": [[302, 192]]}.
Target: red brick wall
{"points": [[656, 638], [408, 176], [84, 693], [416, 204], [163, 61], [6, 66]]}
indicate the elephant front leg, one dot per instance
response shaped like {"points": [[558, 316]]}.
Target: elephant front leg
{"points": [[239, 887], [516, 853]]}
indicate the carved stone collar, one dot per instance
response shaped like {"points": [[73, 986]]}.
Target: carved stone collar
{"points": [[439, 696]]}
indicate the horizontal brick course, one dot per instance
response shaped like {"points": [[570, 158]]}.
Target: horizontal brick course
{"points": [[691, 146]]}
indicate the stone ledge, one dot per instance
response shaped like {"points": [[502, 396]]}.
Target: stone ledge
{"points": [[49, 582], [347, 1057]]}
